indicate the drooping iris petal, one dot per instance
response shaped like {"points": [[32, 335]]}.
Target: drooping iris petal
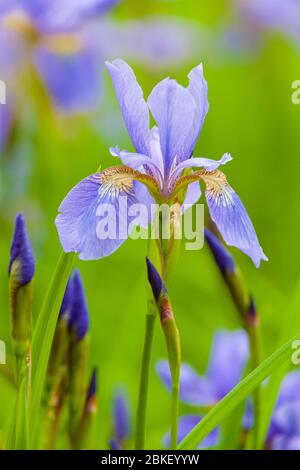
{"points": [[66, 15], [173, 108], [133, 106], [194, 389], [93, 219], [228, 358], [73, 79], [230, 216], [185, 425]]}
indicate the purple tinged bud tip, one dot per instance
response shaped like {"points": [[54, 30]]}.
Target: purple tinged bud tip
{"points": [[253, 317], [93, 385], [79, 318], [21, 252], [222, 256], [67, 300], [155, 280]]}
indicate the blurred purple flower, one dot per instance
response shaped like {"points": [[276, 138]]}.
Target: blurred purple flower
{"points": [[63, 16], [162, 155], [5, 124], [274, 15], [228, 359], [121, 420], [284, 431], [58, 45]]}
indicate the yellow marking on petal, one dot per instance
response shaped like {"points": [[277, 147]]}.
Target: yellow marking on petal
{"points": [[64, 44], [20, 22], [119, 179], [215, 182]]}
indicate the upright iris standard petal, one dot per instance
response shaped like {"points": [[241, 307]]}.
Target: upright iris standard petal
{"points": [[79, 317], [21, 257], [173, 108], [228, 359], [133, 106], [230, 216], [93, 219], [73, 79], [198, 88], [194, 389]]}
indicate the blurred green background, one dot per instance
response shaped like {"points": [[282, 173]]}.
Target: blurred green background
{"points": [[252, 117]]}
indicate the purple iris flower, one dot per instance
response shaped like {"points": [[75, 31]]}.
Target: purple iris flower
{"points": [[155, 171], [284, 431], [229, 355], [61, 16], [121, 420], [275, 15], [59, 46]]}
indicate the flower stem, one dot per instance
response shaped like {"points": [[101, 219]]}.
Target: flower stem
{"points": [[144, 378], [174, 417]]}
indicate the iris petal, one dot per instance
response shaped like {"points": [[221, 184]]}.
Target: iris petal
{"points": [[230, 216], [229, 355], [133, 106], [173, 108], [194, 389], [73, 79], [106, 195]]}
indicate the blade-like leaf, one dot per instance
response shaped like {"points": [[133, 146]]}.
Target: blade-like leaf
{"points": [[43, 335], [237, 395]]}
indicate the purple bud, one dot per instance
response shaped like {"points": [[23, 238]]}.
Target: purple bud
{"points": [[121, 417], [222, 257], [253, 317], [155, 280], [21, 254], [79, 318], [92, 390], [67, 300]]}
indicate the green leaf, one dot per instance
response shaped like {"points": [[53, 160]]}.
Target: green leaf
{"points": [[43, 336], [237, 395]]}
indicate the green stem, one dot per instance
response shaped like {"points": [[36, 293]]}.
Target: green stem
{"points": [[144, 379], [174, 417]]}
